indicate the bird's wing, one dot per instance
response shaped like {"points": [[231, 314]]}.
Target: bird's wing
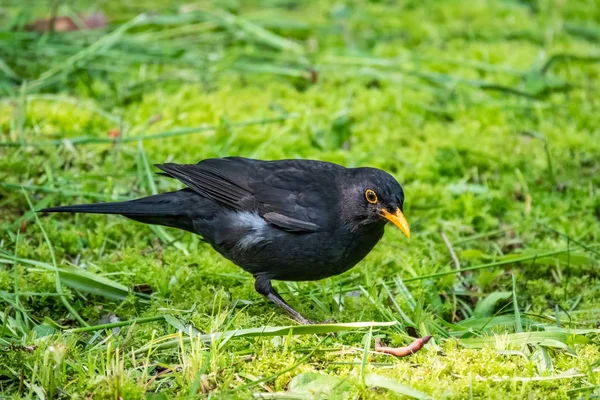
{"points": [[289, 224], [299, 189], [294, 195], [219, 179]]}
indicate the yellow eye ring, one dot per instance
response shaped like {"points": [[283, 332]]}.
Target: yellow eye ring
{"points": [[371, 196]]}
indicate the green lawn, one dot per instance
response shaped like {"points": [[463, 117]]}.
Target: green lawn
{"points": [[486, 113]]}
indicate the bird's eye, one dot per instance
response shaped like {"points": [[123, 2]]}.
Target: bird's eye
{"points": [[371, 196]]}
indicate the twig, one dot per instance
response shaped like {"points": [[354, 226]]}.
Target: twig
{"points": [[450, 249]]}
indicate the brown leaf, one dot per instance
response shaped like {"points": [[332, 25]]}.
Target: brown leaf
{"points": [[66, 24], [58, 24]]}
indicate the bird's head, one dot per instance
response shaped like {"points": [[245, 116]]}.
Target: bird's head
{"points": [[374, 196]]}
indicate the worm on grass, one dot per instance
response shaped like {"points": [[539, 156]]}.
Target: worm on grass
{"points": [[415, 346]]}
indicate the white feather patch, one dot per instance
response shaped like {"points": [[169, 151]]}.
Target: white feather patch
{"points": [[254, 224]]}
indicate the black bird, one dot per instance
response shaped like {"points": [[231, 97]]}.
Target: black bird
{"points": [[291, 220]]}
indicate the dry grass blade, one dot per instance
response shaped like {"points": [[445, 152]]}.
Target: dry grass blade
{"points": [[82, 280], [259, 34]]}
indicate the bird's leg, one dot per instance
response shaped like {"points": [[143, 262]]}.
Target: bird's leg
{"points": [[263, 286]]}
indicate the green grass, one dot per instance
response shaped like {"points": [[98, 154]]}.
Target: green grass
{"points": [[486, 112]]}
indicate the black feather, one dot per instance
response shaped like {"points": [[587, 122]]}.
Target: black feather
{"points": [[175, 209], [208, 183], [288, 188]]}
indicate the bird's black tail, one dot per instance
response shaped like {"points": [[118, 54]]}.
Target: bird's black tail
{"points": [[175, 209]]}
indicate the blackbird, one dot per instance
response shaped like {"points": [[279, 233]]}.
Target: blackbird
{"points": [[291, 220]]}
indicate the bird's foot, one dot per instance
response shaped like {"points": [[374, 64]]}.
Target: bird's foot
{"points": [[264, 287], [412, 348]]}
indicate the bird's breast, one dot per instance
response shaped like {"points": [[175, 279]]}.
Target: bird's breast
{"points": [[260, 248], [311, 256]]}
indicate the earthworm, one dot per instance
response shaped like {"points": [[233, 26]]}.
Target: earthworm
{"points": [[415, 346]]}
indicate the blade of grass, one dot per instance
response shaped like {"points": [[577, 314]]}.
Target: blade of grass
{"points": [[29, 214], [89, 52], [405, 317], [119, 324], [569, 238], [259, 33], [482, 324], [365, 357], [163, 135], [556, 58], [63, 299], [518, 323], [569, 374], [68, 193], [375, 380], [8, 71], [16, 270], [482, 236], [82, 280], [548, 339], [145, 175], [485, 307], [77, 103], [510, 260]]}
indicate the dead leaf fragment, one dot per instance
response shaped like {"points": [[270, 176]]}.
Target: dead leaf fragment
{"points": [[67, 24]]}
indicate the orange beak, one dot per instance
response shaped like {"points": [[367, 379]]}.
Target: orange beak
{"points": [[398, 219]]}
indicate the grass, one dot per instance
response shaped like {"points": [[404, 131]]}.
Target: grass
{"points": [[486, 112]]}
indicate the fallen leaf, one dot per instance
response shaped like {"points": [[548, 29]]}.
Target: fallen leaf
{"points": [[66, 24]]}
